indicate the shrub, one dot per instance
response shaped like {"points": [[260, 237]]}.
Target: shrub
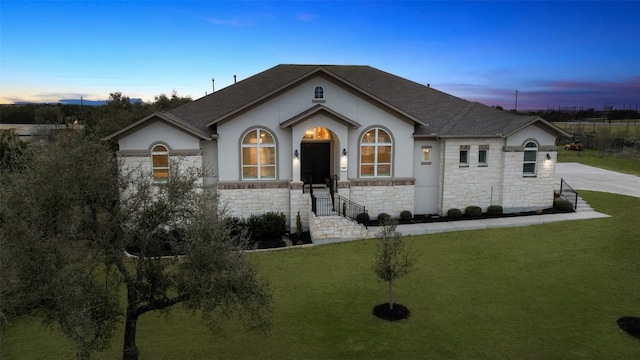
{"points": [[271, 225], [384, 218], [406, 215], [454, 213], [495, 210], [363, 218], [562, 205], [298, 225], [473, 211]]}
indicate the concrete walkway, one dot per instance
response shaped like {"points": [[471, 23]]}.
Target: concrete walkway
{"points": [[578, 176]]}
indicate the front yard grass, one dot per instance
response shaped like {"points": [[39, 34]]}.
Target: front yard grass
{"points": [[549, 291]]}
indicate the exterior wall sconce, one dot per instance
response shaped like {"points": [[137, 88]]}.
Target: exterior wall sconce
{"points": [[295, 153], [548, 157], [344, 152]]}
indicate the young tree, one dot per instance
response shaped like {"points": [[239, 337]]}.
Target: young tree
{"points": [[65, 220], [392, 259]]}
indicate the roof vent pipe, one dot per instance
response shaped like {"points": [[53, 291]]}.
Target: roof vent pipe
{"points": [[428, 85], [234, 79]]}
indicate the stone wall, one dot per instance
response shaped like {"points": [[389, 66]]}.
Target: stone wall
{"points": [[525, 193], [242, 199], [472, 183], [383, 196], [300, 203]]}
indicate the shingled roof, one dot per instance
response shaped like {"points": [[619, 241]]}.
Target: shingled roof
{"points": [[434, 112]]}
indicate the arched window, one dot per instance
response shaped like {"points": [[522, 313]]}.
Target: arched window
{"points": [[530, 159], [318, 93], [258, 155], [375, 153], [160, 162]]}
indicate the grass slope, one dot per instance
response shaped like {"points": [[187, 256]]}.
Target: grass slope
{"points": [[627, 165], [549, 291]]}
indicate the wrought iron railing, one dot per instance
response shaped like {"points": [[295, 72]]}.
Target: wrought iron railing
{"points": [[567, 193], [338, 205]]}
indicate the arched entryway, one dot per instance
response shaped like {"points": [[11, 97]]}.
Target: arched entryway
{"points": [[316, 155]]}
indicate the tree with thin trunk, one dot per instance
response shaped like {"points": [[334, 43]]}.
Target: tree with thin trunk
{"points": [[68, 215], [392, 260]]}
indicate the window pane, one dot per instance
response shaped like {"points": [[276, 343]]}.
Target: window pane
{"points": [[369, 137], [384, 154], [267, 172], [531, 145], [529, 168], [267, 155], [383, 137], [250, 172], [366, 170], [367, 154], [251, 137], [160, 160], [530, 155], [249, 156], [463, 156], [426, 155], [266, 138], [384, 170], [482, 156], [160, 174]]}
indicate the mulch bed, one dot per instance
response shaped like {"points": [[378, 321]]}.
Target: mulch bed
{"points": [[630, 325], [399, 312], [429, 218]]}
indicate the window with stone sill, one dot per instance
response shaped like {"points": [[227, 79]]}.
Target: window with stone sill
{"points": [[160, 163], [530, 160], [258, 155]]}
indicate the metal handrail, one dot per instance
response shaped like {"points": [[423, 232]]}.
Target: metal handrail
{"points": [[564, 186]]}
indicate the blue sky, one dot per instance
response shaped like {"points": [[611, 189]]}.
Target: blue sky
{"points": [[556, 54]]}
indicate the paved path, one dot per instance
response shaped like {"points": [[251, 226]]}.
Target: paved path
{"points": [[585, 177]]}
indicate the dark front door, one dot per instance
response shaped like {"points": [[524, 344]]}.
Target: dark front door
{"points": [[315, 161]]}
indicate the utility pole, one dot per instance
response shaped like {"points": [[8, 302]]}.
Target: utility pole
{"points": [[516, 108]]}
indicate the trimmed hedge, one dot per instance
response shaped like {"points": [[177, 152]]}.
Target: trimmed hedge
{"points": [[495, 210], [406, 215], [473, 211], [271, 225], [363, 218], [384, 218], [454, 213]]}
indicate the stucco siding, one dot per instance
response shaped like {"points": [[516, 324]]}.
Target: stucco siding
{"points": [[158, 131]]}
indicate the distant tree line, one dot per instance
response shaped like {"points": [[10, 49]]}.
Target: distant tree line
{"points": [[582, 114], [118, 112]]}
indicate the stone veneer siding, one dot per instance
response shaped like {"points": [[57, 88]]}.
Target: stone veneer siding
{"points": [[242, 199], [390, 196], [472, 184], [299, 203], [525, 193]]}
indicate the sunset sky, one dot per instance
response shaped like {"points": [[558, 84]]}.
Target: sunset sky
{"points": [[556, 54]]}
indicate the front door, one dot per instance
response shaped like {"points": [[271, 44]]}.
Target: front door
{"points": [[315, 161]]}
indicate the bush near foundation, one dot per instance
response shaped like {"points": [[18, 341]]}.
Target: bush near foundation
{"points": [[495, 210], [271, 225], [406, 216], [363, 218], [384, 218], [563, 205], [473, 211], [454, 213]]}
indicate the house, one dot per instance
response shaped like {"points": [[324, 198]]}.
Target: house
{"points": [[380, 141]]}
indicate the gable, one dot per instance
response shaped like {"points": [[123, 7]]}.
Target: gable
{"points": [[155, 131]]}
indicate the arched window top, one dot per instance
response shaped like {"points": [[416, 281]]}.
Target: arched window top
{"points": [[318, 93], [531, 144], [258, 155], [258, 136]]}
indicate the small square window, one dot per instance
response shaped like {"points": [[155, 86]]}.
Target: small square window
{"points": [[464, 157], [482, 157], [426, 154]]}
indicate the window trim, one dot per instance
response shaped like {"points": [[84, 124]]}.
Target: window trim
{"points": [[156, 169], [258, 146], [530, 149], [376, 145]]}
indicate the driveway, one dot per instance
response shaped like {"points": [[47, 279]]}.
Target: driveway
{"points": [[585, 177]]}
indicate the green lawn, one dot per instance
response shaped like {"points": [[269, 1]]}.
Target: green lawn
{"points": [[549, 291], [627, 165]]}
